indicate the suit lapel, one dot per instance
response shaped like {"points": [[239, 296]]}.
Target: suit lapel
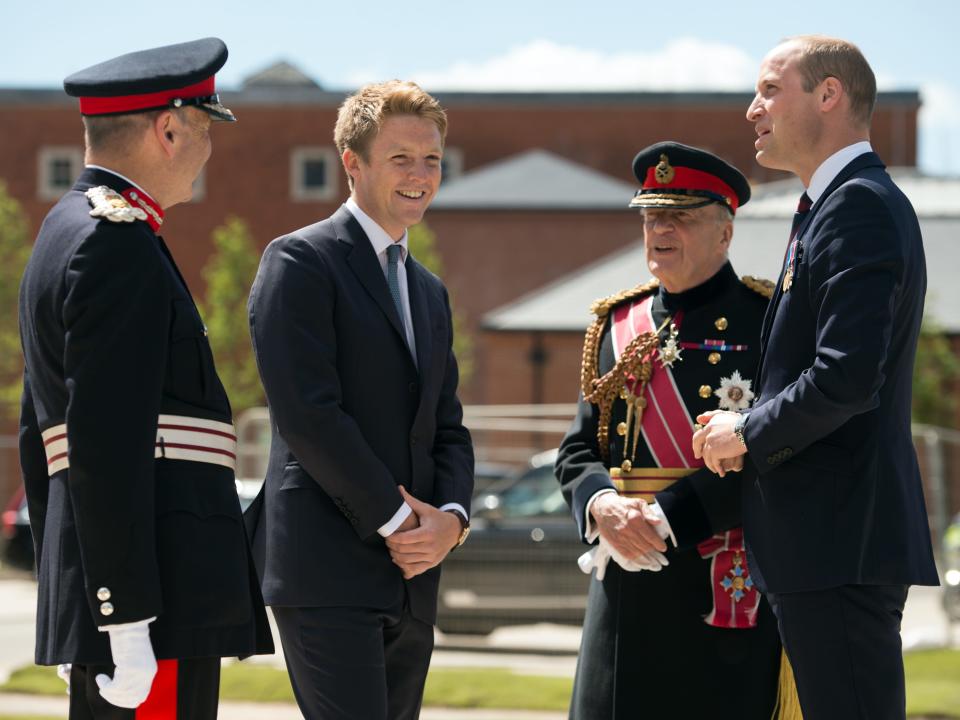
{"points": [[364, 264], [870, 159], [420, 310]]}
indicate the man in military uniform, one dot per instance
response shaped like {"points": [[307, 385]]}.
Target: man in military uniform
{"points": [[693, 638], [126, 440]]}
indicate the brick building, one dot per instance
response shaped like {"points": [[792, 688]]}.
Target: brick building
{"points": [[277, 169]]}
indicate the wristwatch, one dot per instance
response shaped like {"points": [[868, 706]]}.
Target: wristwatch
{"points": [[464, 528], [738, 429]]}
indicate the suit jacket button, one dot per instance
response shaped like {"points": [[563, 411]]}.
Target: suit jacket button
{"points": [[412, 387], [103, 594], [787, 452], [106, 609], [771, 460], [413, 438]]}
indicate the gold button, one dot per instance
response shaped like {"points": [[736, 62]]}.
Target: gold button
{"points": [[626, 466], [705, 391], [103, 594], [621, 428], [106, 608], [713, 358], [697, 426], [721, 323], [624, 394]]}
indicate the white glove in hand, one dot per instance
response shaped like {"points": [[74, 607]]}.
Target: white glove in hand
{"points": [[63, 672], [598, 557], [135, 664]]}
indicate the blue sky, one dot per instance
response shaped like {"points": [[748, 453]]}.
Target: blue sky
{"points": [[500, 44]]}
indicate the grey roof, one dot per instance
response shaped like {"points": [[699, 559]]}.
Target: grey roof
{"points": [[931, 196], [757, 249], [280, 74], [315, 95], [534, 180]]}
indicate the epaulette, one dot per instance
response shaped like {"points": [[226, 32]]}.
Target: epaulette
{"points": [[602, 307], [759, 285]]}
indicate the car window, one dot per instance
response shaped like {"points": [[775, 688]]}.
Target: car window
{"points": [[536, 492]]}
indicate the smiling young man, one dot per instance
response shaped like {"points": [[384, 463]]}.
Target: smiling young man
{"points": [[671, 643], [836, 520], [371, 468]]}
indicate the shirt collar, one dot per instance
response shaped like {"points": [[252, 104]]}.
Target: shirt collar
{"points": [[377, 235], [831, 167]]}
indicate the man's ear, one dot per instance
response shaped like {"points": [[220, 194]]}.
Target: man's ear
{"points": [[165, 131], [727, 237], [351, 163], [829, 93]]}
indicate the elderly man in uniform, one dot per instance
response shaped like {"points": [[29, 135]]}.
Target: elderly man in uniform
{"points": [[692, 638], [126, 441]]}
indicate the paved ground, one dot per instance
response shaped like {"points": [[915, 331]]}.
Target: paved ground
{"points": [[32, 705], [536, 649]]}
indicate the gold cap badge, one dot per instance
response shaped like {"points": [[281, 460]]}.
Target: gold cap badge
{"points": [[664, 172]]}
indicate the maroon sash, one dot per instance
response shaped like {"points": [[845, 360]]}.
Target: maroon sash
{"points": [[667, 429]]}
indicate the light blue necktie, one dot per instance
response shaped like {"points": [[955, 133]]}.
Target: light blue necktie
{"points": [[393, 257]]}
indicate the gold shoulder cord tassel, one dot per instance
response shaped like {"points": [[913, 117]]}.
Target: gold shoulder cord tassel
{"points": [[788, 702]]}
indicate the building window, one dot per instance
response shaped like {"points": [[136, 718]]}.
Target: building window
{"points": [[452, 163], [313, 173], [59, 168]]}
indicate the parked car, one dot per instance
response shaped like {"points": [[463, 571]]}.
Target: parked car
{"points": [[951, 570], [17, 548], [519, 564]]}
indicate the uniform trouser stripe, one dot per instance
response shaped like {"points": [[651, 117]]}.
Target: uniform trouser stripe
{"points": [[161, 703]]}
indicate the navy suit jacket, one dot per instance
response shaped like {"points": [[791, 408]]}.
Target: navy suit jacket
{"points": [[839, 498], [352, 417]]}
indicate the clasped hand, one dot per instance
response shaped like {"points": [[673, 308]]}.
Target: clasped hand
{"points": [[424, 538], [628, 527], [717, 443]]}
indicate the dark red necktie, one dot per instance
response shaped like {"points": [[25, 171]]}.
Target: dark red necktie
{"points": [[803, 207]]}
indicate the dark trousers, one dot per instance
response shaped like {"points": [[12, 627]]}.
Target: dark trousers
{"points": [[182, 690], [844, 645], [347, 663]]}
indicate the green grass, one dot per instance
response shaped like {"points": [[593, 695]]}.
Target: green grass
{"points": [[933, 683], [933, 686]]}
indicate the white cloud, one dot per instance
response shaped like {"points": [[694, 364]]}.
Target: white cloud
{"points": [[684, 64]]}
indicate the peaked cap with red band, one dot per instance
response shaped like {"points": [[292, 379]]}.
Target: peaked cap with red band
{"points": [[165, 77], [672, 175]]}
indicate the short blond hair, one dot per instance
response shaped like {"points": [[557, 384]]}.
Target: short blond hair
{"points": [[822, 57], [362, 114]]}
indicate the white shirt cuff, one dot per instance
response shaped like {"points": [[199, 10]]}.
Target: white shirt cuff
{"points": [[663, 529], [590, 532], [123, 626], [458, 507], [396, 521]]}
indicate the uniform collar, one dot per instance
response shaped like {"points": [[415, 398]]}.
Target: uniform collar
{"points": [[135, 195], [831, 167], [702, 293]]}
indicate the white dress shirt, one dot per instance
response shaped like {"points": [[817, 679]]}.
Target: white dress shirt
{"points": [[831, 167], [381, 240]]}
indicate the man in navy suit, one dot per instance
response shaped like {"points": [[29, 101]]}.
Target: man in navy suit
{"points": [[836, 521], [371, 469]]}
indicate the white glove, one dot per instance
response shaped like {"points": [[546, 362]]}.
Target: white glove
{"points": [[596, 558], [63, 672], [135, 664]]}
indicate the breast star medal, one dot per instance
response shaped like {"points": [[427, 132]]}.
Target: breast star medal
{"points": [[734, 392]]}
